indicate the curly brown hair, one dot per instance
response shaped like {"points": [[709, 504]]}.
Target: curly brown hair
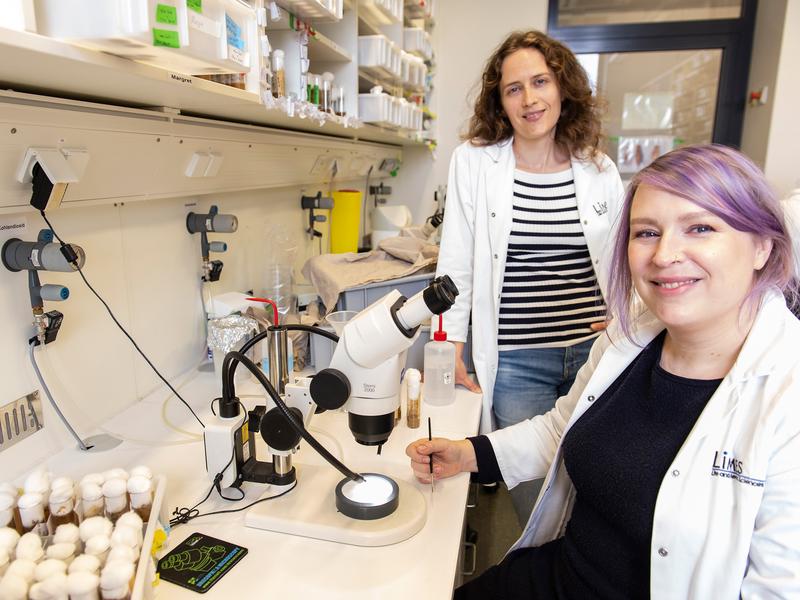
{"points": [[579, 128]]}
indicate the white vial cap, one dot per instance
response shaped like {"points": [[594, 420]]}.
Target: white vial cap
{"points": [[127, 536], [139, 485], [116, 473], [91, 491], [67, 533], [22, 568], [48, 568], [95, 526], [123, 553], [52, 588], [95, 478], [38, 481], [116, 576], [8, 538], [114, 487], [97, 545], [13, 587], [30, 499], [59, 482], [61, 551], [85, 563], [29, 547], [82, 582], [130, 519]]}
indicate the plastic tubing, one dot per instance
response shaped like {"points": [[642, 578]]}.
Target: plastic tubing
{"points": [[274, 307], [258, 374], [61, 416]]}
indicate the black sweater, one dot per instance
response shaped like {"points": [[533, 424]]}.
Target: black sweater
{"points": [[616, 455]]}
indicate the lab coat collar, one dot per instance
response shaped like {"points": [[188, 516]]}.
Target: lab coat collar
{"points": [[496, 151], [758, 357]]}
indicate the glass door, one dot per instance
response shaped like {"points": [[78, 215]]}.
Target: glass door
{"points": [[657, 101]]}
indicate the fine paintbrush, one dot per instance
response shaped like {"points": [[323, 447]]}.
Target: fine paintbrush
{"points": [[430, 464]]}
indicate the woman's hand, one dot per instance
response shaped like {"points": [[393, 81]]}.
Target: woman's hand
{"points": [[450, 457], [462, 377], [598, 326]]}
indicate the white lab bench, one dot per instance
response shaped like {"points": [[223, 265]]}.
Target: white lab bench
{"points": [[285, 566]]}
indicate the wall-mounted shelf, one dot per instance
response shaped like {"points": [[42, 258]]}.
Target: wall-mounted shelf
{"points": [[368, 79], [324, 49], [373, 13], [320, 47], [309, 9], [368, 27], [45, 66]]}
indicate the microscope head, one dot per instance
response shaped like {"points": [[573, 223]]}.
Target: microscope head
{"points": [[364, 374]]}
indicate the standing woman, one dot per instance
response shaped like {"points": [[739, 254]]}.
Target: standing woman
{"points": [[530, 208]]}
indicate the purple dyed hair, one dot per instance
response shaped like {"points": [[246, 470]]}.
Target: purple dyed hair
{"points": [[729, 185]]}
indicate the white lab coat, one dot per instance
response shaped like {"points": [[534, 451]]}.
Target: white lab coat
{"points": [[713, 536], [476, 228]]}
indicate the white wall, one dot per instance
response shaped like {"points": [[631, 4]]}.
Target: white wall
{"points": [[466, 33], [782, 162], [767, 40], [142, 260]]}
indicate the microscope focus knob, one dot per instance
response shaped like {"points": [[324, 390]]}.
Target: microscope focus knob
{"points": [[276, 430], [330, 389]]}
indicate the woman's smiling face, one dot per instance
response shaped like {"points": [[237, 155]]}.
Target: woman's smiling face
{"points": [[690, 267], [529, 94]]}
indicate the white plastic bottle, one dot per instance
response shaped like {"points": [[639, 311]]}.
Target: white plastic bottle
{"points": [[440, 366]]}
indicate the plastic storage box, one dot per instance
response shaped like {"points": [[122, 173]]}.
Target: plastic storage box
{"points": [[359, 298], [417, 41], [375, 108], [372, 51], [191, 37]]}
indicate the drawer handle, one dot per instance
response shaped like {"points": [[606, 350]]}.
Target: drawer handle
{"points": [[474, 547]]}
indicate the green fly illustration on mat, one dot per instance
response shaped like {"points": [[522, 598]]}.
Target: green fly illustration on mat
{"points": [[199, 562]]}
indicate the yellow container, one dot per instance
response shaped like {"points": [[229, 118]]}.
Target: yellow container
{"points": [[345, 221]]}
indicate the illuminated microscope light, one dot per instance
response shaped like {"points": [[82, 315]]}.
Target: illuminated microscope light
{"points": [[376, 497]]}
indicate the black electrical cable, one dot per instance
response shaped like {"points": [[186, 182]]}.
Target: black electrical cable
{"points": [[292, 327], [67, 250], [184, 515], [227, 373], [311, 329]]}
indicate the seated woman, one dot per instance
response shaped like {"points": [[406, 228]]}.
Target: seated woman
{"points": [[673, 464]]}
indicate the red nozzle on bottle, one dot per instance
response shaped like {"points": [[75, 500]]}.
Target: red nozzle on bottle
{"points": [[441, 335]]}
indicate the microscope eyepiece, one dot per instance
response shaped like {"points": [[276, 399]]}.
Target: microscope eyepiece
{"points": [[440, 295]]}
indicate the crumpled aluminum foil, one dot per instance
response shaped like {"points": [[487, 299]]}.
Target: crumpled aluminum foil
{"points": [[229, 332]]}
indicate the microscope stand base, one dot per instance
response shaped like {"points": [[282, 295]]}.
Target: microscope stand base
{"points": [[310, 511]]}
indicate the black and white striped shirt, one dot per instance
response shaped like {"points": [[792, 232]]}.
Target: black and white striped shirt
{"points": [[550, 294]]}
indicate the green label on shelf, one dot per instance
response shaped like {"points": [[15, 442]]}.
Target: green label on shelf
{"points": [[164, 37], [166, 14], [195, 5]]}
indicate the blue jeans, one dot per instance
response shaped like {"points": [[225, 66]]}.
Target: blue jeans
{"points": [[529, 381]]}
